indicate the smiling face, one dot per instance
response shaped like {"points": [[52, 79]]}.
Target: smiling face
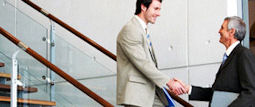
{"points": [[151, 13], [226, 35]]}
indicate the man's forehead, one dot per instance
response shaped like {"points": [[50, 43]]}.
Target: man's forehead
{"points": [[225, 22], [156, 2]]}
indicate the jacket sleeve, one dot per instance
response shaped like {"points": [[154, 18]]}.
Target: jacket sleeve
{"points": [[246, 71], [131, 43], [201, 94]]}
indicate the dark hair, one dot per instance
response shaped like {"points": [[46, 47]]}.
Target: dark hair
{"points": [[146, 3]]}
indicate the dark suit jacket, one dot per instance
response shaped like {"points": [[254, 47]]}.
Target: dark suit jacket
{"points": [[237, 75]]}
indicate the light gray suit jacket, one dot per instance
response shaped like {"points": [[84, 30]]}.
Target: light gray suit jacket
{"points": [[137, 74]]}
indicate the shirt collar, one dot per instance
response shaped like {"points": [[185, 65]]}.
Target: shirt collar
{"points": [[141, 22], [231, 48]]}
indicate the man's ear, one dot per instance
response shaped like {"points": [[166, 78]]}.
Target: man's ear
{"points": [[143, 8], [232, 31]]}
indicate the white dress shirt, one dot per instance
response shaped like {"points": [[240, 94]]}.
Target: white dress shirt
{"points": [[143, 24], [231, 48]]}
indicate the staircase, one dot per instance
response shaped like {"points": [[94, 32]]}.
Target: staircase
{"points": [[68, 87], [7, 76], [5, 93]]}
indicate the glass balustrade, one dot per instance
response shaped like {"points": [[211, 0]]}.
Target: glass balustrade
{"points": [[73, 61], [86, 70], [34, 87], [7, 61]]}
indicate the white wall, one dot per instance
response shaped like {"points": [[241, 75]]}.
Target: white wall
{"points": [[185, 37]]}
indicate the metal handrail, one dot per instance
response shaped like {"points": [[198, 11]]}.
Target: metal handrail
{"points": [[54, 68], [91, 42]]}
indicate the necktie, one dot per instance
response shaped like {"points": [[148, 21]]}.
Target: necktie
{"points": [[148, 38], [150, 48], [149, 41], [224, 58]]}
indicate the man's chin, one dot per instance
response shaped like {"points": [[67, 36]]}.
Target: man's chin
{"points": [[153, 22], [220, 41]]}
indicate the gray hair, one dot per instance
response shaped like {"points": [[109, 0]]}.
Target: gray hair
{"points": [[238, 24]]}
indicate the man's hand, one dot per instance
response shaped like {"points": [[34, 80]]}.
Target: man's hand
{"points": [[186, 86], [178, 87]]}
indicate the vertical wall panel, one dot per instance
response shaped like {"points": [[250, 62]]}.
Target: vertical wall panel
{"points": [[205, 19], [169, 34]]}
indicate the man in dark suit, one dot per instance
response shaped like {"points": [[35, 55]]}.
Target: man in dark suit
{"points": [[237, 71]]}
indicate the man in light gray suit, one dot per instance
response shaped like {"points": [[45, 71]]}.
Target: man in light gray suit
{"points": [[138, 79]]}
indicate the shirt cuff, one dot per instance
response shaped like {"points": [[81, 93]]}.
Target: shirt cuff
{"points": [[165, 86], [190, 89]]}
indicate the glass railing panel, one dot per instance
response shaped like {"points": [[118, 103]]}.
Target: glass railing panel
{"points": [[66, 95], [5, 70], [7, 61], [72, 97], [28, 79], [7, 13], [104, 86], [31, 33], [28, 31], [77, 63], [86, 70], [7, 21], [23, 27]]}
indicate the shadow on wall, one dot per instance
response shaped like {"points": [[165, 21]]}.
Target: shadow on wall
{"points": [[252, 38]]}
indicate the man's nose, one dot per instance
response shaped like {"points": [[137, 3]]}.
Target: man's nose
{"points": [[158, 13]]}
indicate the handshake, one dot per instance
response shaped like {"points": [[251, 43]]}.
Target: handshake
{"points": [[178, 87]]}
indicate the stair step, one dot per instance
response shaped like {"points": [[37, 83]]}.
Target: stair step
{"points": [[28, 101], [7, 88], [8, 76], [1, 64]]}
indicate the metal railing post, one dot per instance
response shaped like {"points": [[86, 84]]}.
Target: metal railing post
{"points": [[14, 79], [52, 60]]}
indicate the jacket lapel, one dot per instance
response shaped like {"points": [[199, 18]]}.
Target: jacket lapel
{"points": [[154, 57], [146, 45], [230, 57]]}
